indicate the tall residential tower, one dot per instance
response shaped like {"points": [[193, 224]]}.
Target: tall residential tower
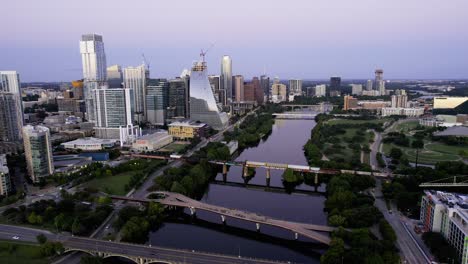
{"points": [[226, 78], [38, 152], [11, 114]]}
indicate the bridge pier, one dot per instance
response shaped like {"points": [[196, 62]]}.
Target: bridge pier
{"points": [[258, 227], [223, 219], [225, 169], [268, 173], [316, 181], [296, 236], [193, 212], [268, 182], [245, 171]]}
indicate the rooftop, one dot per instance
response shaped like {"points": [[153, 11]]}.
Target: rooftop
{"points": [[91, 140], [187, 123]]}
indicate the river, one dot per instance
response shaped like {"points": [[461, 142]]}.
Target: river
{"points": [[206, 233]]}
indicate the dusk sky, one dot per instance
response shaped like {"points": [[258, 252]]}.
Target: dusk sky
{"points": [[310, 39]]}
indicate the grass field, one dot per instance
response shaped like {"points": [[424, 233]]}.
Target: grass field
{"points": [[114, 184], [22, 254], [405, 126], [347, 153], [429, 155], [175, 146]]}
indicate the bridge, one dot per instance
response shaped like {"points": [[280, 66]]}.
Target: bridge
{"points": [[303, 116], [299, 168], [322, 107], [178, 200], [455, 181]]}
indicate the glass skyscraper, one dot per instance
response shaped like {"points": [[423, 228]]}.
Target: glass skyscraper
{"points": [[11, 119], [226, 79], [135, 78], [178, 99], [203, 105], [38, 152], [157, 101]]}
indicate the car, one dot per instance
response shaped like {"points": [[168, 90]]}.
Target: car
{"points": [[107, 227], [15, 237]]}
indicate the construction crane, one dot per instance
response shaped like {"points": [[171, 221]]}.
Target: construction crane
{"points": [[203, 52], [145, 61]]}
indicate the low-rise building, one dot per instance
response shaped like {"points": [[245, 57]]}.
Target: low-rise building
{"points": [[187, 130], [152, 142], [447, 213], [5, 183], [243, 107], [411, 112], [90, 144]]}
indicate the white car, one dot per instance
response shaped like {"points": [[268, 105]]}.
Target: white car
{"points": [[15, 237]]}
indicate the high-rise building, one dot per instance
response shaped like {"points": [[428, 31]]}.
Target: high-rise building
{"points": [[249, 92], [203, 106], [5, 183], [77, 87], [239, 88], [11, 120], [379, 82], [399, 99], [276, 80], [350, 102], [278, 92], [335, 84], [157, 101], [135, 78], [265, 84], [114, 76], [38, 152], [320, 90], [295, 87], [178, 99], [93, 59], [215, 86], [369, 85], [356, 89], [226, 78], [114, 109], [258, 90]]}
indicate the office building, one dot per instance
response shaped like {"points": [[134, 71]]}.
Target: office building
{"points": [[448, 102], [215, 86], [379, 82], [77, 88], [295, 87], [11, 116], [178, 99], [249, 92], [258, 90], [320, 90], [238, 88], [38, 152], [335, 86], [114, 76], [265, 84], [93, 59], [278, 93], [135, 78], [157, 101], [447, 214], [187, 130], [113, 110], [369, 85], [226, 79], [203, 105], [409, 112], [350, 102], [356, 89], [5, 182], [399, 99]]}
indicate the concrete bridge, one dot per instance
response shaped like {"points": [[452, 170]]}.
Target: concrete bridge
{"points": [[322, 107], [303, 116], [177, 200]]}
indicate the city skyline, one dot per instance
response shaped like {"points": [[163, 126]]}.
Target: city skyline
{"points": [[407, 39]]}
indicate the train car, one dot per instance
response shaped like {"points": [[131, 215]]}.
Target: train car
{"points": [[255, 164], [299, 167], [277, 165], [314, 169], [174, 156]]}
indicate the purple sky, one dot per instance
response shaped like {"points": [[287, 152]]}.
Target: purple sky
{"points": [[291, 39]]}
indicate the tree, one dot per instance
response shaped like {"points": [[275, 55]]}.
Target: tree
{"points": [[335, 252], [59, 220], [396, 153], [336, 220], [41, 238]]}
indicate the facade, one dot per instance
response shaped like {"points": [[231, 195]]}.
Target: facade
{"points": [[295, 87], [90, 144], [335, 84], [157, 101], [399, 99], [226, 79], [369, 85], [11, 116], [215, 86], [203, 105], [152, 142], [238, 88], [379, 83], [411, 112], [448, 102], [5, 182], [178, 99], [265, 84], [249, 92], [38, 152], [278, 93], [135, 78], [320, 90], [258, 90], [186, 130], [356, 89], [350, 102], [114, 76], [241, 108], [447, 213], [93, 59]]}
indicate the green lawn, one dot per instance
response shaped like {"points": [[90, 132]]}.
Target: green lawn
{"points": [[175, 147], [429, 155], [405, 126], [113, 184], [21, 254], [449, 149]]}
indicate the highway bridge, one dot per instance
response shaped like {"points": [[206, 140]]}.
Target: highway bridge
{"points": [[174, 199], [140, 254]]}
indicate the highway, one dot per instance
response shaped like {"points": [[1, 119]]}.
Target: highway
{"points": [[125, 249]]}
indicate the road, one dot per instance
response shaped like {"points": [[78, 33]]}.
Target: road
{"points": [[375, 148], [410, 251], [132, 250]]}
